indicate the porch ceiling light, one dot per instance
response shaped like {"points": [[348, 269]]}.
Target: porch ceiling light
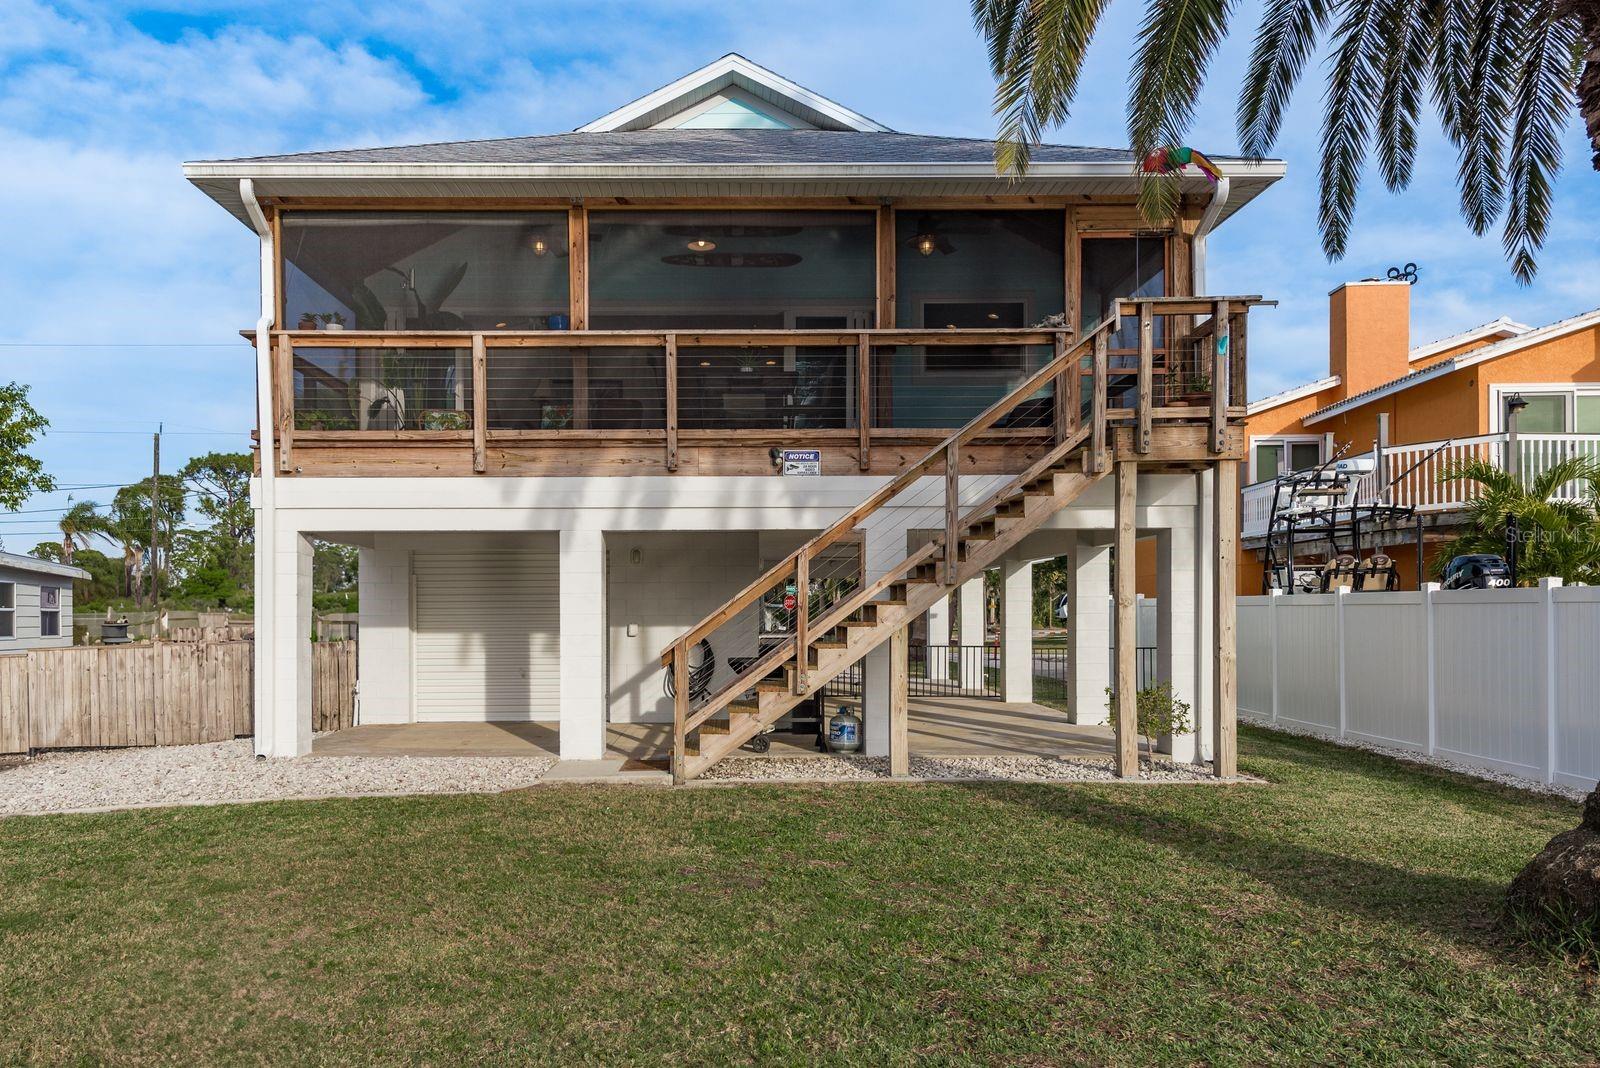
{"points": [[700, 244], [539, 246], [926, 243]]}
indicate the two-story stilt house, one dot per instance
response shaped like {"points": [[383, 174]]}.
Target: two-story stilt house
{"points": [[681, 415]]}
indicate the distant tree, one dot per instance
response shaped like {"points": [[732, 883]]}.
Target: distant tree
{"points": [[21, 474], [77, 523], [220, 482], [333, 567], [211, 586], [1501, 75], [129, 527]]}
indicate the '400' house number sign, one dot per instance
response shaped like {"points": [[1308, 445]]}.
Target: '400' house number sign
{"points": [[801, 461]]}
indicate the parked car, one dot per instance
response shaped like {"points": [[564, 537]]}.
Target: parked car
{"points": [[1477, 571], [1060, 609]]}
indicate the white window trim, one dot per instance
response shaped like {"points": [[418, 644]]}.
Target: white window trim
{"points": [[1285, 440], [10, 612], [1498, 392]]}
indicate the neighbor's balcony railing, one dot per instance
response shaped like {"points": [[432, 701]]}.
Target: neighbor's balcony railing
{"points": [[724, 387], [1411, 475]]}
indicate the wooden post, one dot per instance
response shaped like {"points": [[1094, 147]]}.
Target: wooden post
{"points": [[480, 404], [952, 509], [899, 703], [864, 400], [680, 711], [1224, 680], [886, 268], [1075, 393], [1141, 439], [1072, 289], [671, 357], [1238, 359], [578, 266], [580, 389], [1063, 417], [802, 621], [1097, 443], [284, 388], [1127, 619], [1219, 378]]}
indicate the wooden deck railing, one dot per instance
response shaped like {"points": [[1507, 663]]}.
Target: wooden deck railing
{"points": [[659, 390], [1064, 429]]}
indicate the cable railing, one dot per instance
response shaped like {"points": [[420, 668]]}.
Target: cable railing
{"points": [[918, 521], [846, 391]]}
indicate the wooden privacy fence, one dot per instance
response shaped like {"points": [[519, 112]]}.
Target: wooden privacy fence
{"points": [[165, 693]]}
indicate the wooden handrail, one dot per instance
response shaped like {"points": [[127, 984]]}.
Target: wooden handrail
{"points": [[1000, 408]]}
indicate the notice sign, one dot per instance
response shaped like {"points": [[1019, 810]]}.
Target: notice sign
{"points": [[802, 461]]}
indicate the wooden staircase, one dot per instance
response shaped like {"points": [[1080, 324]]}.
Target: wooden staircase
{"points": [[869, 617], [1074, 453]]}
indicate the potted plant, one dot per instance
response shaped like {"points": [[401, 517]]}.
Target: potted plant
{"points": [[747, 364], [308, 321], [1190, 388], [332, 320], [446, 419]]}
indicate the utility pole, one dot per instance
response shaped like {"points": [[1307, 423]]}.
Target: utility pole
{"points": [[155, 505]]}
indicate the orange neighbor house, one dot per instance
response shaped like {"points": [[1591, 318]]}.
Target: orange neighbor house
{"points": [[1413, 410]]}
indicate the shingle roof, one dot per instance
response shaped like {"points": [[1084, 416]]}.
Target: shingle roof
{"points": [[701, 147]]}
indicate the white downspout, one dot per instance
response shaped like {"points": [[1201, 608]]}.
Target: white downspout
{"points": [[267, 488], [1208, 222]]}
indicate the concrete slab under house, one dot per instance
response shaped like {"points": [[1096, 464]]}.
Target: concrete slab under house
{"points": [[656, 434]]}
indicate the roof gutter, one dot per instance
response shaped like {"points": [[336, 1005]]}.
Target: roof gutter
{"points": [[1208, 222], [267, 487]]}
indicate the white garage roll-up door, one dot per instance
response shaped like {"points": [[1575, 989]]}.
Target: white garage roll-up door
{"points": [[488, 636]]}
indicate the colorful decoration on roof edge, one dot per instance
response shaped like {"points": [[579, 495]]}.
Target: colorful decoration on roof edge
{"points": [[1171, 160]]}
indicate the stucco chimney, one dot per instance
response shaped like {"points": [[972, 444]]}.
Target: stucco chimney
{"points": [[1369, 334]]}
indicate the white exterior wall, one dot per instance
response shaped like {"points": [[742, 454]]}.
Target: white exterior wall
{"points": [[583, 645], [384, 651], [1016, 632], [709, 523]]}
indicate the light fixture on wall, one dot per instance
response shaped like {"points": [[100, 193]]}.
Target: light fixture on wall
{"points": [[540, 247], [700, 244], [926, 243]]}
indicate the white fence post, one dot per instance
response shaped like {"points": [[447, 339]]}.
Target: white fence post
{"points": [[1272, 633], [1547, 616], [1428, 590], [1338, 641]]}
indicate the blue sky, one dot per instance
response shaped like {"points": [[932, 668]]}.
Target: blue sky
{"points": [[122, 290]]}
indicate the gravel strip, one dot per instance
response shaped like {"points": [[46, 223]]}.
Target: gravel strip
{"points": [[226, 772], [1412, 756], [997, 769]]}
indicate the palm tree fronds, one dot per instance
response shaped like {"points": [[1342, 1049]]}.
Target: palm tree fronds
{"points": [[1036, 51], [1353, 86], [1409, 32], [1541, 96], [1285, 39]]}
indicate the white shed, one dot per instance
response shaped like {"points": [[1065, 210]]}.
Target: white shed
{"points": [[35, 602]]}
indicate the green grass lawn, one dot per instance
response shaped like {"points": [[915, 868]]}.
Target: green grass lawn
{"points": [[1345, 911]]}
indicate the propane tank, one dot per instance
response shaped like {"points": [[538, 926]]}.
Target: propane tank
{"points": [[844, 731]]}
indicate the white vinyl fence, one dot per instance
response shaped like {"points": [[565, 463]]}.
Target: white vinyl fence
{"points": [[1507, 680]]}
